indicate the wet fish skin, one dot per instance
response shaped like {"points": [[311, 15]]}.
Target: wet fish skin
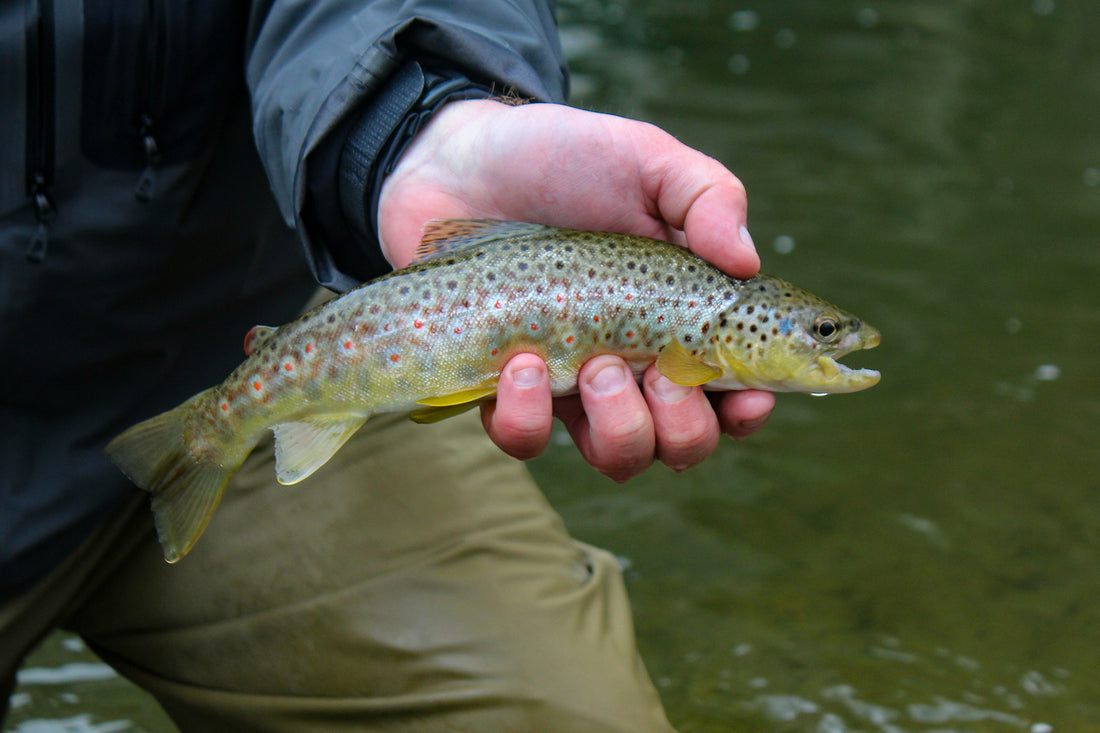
{"points": [[432, 339]]}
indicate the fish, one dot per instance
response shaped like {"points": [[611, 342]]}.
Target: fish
{"points": [[432, 338]]}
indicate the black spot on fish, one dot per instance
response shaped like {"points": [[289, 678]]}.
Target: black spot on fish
{"points": [[643, 269], [706, 327], [750, 309], [630, 265], [763, 337], [548, 247], [404, 290], [560, 265], [753, 328], [524, 247], [687, 338], [691, 268], [568, 248], [522, 266], [710, 279], [591, 273], [740, 326], [452, 285], [427, 295], [490, 276], [331, 318]]}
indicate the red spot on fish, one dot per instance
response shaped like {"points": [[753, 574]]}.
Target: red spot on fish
{"points": [[630, 334], [629, 296], [534, 326], [288, 366], [494, 352], [568, 339], [418, 324], [596, 319], [225, 407], [561, 298], [395, 358], [458, 329], [347, 344], [257, 386], [309, 348], [498, 305]]}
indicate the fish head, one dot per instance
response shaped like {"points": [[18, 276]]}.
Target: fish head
{"points": [[781, 338]]}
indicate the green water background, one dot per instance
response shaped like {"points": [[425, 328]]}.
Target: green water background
{"points": [[921, 557]]}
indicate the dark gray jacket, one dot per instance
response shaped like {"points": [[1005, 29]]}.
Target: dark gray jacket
{"points": [[139, 238]]}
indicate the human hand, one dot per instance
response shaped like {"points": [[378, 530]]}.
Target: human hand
{"points": [[562, 166]]}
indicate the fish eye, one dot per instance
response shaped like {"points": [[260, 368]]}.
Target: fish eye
{"points": [[826, 328]]}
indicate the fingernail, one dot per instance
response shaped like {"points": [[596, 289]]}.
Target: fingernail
{"points": [[526, 377], [745, 236], [608, 380], [668, 391], [752, 424]]}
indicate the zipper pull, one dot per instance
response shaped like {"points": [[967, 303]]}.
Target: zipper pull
{"points": [[44, 212], [143, 192]]}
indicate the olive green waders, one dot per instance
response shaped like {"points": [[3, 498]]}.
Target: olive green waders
{"points": [[417, 582]]}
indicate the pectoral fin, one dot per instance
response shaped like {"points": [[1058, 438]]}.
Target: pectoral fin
{"points": [[681, 367], [303, 447]]}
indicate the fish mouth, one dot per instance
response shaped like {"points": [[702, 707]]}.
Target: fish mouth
{"points": [[837, 377]]}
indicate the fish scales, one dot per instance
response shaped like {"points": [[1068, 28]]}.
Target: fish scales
{"points": [[432, 339]]}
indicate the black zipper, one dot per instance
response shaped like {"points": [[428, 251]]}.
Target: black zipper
{"points": [[39, 165], [150, 102]]}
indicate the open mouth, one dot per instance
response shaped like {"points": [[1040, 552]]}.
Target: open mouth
{"points": [[842, 378]]}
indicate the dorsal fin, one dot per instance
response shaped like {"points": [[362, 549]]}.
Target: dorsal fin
{"points": [[255, 338], [448, 236]]}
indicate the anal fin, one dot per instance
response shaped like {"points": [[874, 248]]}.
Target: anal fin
{"points": [[304, 446]]}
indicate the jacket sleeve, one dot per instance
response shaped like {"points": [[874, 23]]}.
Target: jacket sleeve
{"points": [[320, 69]]}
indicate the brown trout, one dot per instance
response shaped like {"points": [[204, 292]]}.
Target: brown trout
{"points": [[431, 339]]}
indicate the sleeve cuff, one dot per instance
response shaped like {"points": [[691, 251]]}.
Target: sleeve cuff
{"points": [[383, 131]]}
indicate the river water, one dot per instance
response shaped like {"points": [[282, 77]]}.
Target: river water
{"points": [[924, 556]]}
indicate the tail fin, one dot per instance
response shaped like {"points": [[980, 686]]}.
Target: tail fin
{"points": [[185, 491]]}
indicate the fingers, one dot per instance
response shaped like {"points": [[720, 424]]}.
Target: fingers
{"points": [[687, 429], [611, 424], [743, 413], [619, 427], [700, 196], [520, 420]]}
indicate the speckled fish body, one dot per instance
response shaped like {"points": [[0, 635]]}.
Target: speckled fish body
{"points": [[431, 339]]}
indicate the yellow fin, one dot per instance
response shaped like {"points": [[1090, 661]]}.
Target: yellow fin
{"points": [[185, 489], [304, 446], [681, 367], [428, 415], [448, 236], [475, 395], [445, 406]]}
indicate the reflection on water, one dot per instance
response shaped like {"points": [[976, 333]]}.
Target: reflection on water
{"points": [[922, 556], [919, 557]]}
